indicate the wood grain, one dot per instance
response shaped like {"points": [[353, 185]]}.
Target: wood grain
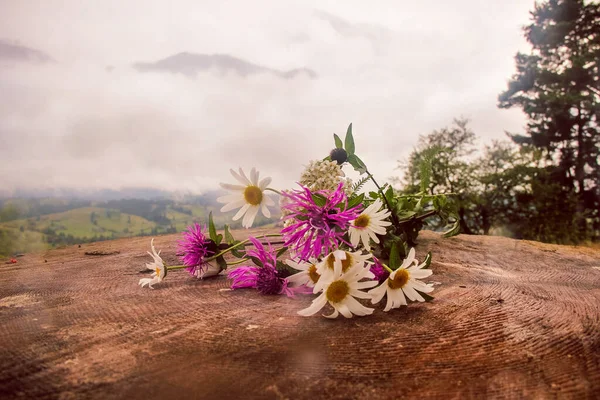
{"points": [[511, 319]]}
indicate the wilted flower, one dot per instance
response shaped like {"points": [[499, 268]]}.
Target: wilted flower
{"points": [[158, 266], [317, 228]]}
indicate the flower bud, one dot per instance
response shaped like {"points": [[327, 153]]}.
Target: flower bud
{"points": [[339, 155]]}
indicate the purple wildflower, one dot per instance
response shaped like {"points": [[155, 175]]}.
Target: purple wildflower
{"points": [[317, 229], [195, 247], [264, 278], [381, 274]]}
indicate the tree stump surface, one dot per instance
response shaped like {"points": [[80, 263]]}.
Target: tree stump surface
{"points": [[510, 319]]}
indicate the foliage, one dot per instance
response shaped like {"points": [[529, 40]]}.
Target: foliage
{"points": [[557, 85]]}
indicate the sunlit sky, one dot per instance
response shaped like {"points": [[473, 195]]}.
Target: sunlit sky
{"points": [[75, 113]]}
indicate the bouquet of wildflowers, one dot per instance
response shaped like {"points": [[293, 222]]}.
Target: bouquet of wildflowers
{"points": [[337, 242]]}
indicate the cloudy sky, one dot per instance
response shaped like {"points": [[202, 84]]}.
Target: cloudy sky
{"points": [[97, 94]]}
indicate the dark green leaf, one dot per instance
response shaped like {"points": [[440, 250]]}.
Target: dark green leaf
{"points": [[239, 253], [281, 251], [389, 194], [319, 199], [221, 263], [349, 141], [212, 231], [338, 141], [356, 201], [256, 261], [228, 236], [395, 257], [455, 230], [427, 260]]}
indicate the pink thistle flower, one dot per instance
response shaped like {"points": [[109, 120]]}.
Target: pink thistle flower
{"points": [[316, 229], [381, 274], [196, 247], [264, 277]]}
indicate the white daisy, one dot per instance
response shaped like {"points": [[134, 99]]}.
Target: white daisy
{"points": [[249, 196], [340, 293], [338, 262], [403, 281], [158, 266], [308, 274], [369, 223]]}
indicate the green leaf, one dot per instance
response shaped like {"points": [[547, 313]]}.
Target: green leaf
{"points": [[219, 238], [257, 261], [362, 167], [228, 236], [281, 251], [239, 253], [319, 199], [328, 158], [356, 201], [221, 263], [455, 230], [394, 262], [427, 261], [406, 215], [349, 141], [338, 141], [212, 231], [389, 194]]}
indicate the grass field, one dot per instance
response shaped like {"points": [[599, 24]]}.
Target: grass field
{"points": [[98, 223]]}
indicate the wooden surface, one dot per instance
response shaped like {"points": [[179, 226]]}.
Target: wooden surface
{"points": [[511, 319]]}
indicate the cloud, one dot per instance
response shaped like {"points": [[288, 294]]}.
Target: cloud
{"points": [[190, 64], [94, 121], [15, 52]]}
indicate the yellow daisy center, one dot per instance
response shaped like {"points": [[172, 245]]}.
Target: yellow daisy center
{"points": [[345, 263], [362, 221], [253, 195], [400, 279], [337, 291], [312, 274], [157, 271]]}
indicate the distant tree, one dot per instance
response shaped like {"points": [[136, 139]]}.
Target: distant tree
{"points": [[557, 85], [447, 151]]}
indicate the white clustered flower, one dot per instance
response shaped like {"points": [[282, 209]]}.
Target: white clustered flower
{"points": [[325, 175], [158, 266]]}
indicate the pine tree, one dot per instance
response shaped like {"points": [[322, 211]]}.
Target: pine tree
{"points": [[558, 87]]}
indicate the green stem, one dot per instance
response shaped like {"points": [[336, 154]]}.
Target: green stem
{"points": [[394, 216], [235, 246], [175, 267], [240, 261], [387, 268], [273, 190]]}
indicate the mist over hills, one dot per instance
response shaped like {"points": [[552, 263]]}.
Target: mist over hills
{"points": [[190, 64]]}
